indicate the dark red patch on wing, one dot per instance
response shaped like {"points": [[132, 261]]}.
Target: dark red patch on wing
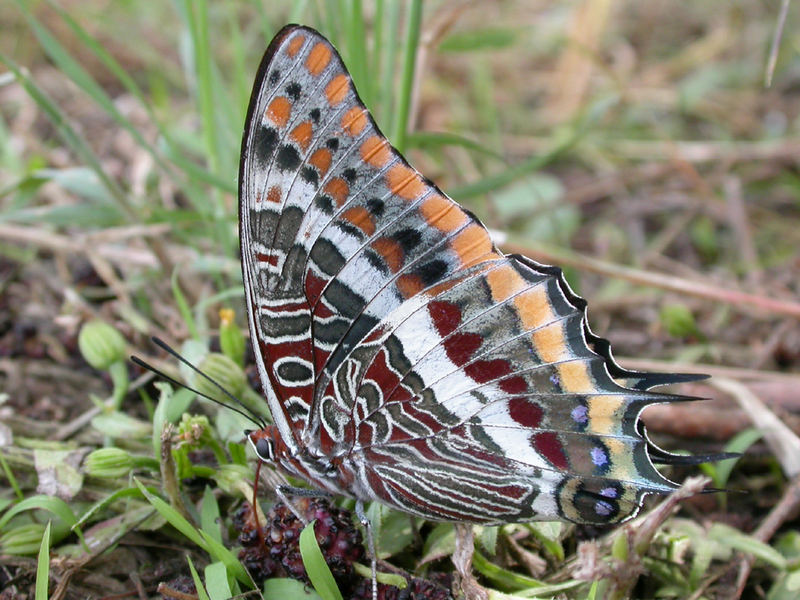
{"points": [[514, 385], [320, 358], [482, 371], [322, 310], [271, 259], [326, 442], [379, 372], [549, 446], [461, 346], [314, 287], [525, 412], [446, 316]]}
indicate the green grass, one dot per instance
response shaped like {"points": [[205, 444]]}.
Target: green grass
{"points": [[673, 161]]}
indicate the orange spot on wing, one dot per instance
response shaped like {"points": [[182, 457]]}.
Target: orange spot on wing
{"points": [[472, 244], [550, 343], [321, 160], [336, 90], [605, 413], [295, 45], [390, 251], [376, 151], [442, 213], [361, 218], [279, 110], [504, 282], [409, 285], [354, 120], [274, 194], [575, 377], [405, 182], [337, 189], [302, 134], [533, 307], [318, 58]]}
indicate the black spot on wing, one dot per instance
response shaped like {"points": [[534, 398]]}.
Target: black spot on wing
{"points": [[376, 261], [287, 159], [375, 206], [327, 257], [432, 271], [344, 300], [324, 203], [408, 238], [357, 332], [265, 139], [293, 91], [310, 175], [293, 371]]}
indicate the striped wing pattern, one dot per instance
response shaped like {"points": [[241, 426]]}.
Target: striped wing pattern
{"points": [[404, 358]]}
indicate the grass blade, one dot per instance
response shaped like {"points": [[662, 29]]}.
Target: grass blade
{"points": [[198, 583], [216, 577], [51, 504], [387, 54], [81, 77], [70, 136], [413, 26], [357, 56], [43, 566], [316, 567]]}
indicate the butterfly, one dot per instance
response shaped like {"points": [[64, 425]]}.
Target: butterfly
{"points": [[404, 358]]}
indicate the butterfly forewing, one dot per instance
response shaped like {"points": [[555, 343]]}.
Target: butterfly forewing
{"points": [[398, 345]]}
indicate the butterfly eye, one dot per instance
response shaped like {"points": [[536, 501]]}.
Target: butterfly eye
{"points": [[264, 449]]}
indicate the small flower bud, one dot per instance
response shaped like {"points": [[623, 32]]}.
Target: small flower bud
{"points": [[108, 463], [101, 345], [22, 540], [231, 478], [225, 372]]}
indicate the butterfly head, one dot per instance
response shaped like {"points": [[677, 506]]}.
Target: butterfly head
{"points": [[263, 442]]}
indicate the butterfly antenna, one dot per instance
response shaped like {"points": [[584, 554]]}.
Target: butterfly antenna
{"points": [[173, 381], [245, 411]]}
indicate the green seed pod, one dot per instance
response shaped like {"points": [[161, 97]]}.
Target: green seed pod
{"points": [[109, 463], [225, 372], [101, 345], [22, 540], [231, 477]]}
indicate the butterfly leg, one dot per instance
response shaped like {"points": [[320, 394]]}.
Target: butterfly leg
{"points": [[462, 559], [362, 517], [283, 491]]}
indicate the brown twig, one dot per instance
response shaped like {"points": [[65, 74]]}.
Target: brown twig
{"points": [[55, 242], [783, 442], [684, 150], [776, 42], [643, 364], [740, 224], [169, 592], [462, 559]]}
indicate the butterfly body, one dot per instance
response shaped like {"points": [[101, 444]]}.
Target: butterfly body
{"points": [[404, 358]]}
